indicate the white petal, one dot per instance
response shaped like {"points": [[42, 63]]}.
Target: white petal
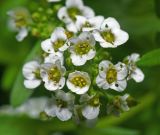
{"points": [[81, 20], [51, 86], [84, 98], [88, 12], [71, 27], [119, 85], [23, 32], [52, 58], [47, 46], [90, 112], [32, 84], [62, 15], [110, 23], [102, 83], [91, 54], [103, 66], [87, 36], [98, 36], [120, 36], [29, 68], [96, 21], [107, 45], [71, 86], [134, 57], [74, 3], [64, 47], [61, 83], [59, 33], [51, 110], [82, 90], [78, 60], [138, 75], [121, 71], [63, 114], [53, 0]]}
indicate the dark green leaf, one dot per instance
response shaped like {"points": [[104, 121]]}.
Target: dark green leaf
{"points": [[19, 93], [150, 59]]}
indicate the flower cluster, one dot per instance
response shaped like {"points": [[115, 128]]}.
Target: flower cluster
{"points": [[76, 69]]}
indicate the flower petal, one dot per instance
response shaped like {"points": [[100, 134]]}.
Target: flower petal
{"points": [[120, 37], [98, 37], [110, 23], [72, 27], [88, 12], [74, 3], [119, 85], [138, 75], [62, 15], [32, 84], [47, 46], [78, 60], [63, 114], [121, 70], [134, 57], [23, 32], [102, 83], [90, 112]]}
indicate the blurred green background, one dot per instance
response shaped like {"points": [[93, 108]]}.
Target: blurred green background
{"points": [[141, 19]]}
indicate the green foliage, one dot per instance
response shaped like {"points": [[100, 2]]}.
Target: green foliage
{"points": [[19, 93], [150, 59]]}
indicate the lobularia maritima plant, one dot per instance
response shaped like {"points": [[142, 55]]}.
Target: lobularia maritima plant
{"points": [[76, 68]]}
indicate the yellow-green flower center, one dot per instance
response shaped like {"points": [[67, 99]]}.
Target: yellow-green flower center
{"points": [[61, 103], [58, 44], [87, 24], [94, 101], [73, 12], [37, 73], [82, 48], [111, 75], [69, 34], [108, 36], [54, 74], [79, 81]]}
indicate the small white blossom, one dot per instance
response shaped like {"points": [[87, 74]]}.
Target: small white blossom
{"points": [[52, 58], [123, 102], [82, 48], [61, 106], [78, 82], [31, 73], [19, 19], [57, 42], [33, 107], [73, 8], [112, 76], [53, 75], [110, 35], [90, 107], [84, 24], [134, 72]]}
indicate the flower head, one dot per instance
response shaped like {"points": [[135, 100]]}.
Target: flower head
{"points": [[90, 106], [82, 48], [78, 82], [112, 76], [134, 72], [57, 42], [73, 8], [31, 73], [53, 75], [61, 105], [110, 35], [19, 21]]}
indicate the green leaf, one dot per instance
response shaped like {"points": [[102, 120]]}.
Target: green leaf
{"points": [[150, 59], [19, 93], [21, 125]]}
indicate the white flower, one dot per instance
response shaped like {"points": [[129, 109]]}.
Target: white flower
{"points": [[31, 73], [78, 82], [33, 107], [61, 106], [134, 71], [73, 8], [19, 20], [84, 24], [123, 102], [112, 76], [82, 48], [91, 106], [110, 35], [53, 75], [52, 58], [57, 41]]}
